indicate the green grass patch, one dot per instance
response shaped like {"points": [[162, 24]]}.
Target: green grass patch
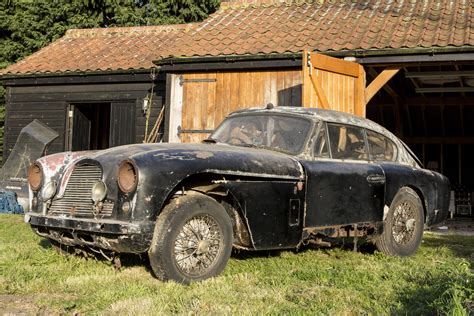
{"points": [[438, 279]]}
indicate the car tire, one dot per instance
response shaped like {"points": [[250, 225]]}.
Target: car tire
{"points": [[192, 240], [403, 227]]}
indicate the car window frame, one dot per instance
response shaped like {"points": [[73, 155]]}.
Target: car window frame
{"points": [[306, 142], [326, 123], [320, 125], [384, 136]]}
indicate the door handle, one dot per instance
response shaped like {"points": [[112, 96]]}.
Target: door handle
{"points": [[376, 179]]}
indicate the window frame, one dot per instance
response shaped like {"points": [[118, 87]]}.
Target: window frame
{"points": [[324, 124], [321, 125], [395, 159]]}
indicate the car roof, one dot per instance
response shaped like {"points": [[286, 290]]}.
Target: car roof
{"points": [[320, 114], [332, 116]]}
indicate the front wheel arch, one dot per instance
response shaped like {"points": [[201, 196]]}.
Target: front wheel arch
{"points": [[200, 182]]}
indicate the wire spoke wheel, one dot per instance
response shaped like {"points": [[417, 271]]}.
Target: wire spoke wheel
{"points": [[198, 245], [404, 223], [192, 240], [403, 227]]}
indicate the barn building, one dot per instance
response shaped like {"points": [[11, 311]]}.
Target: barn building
{"points": [[408, 65]]}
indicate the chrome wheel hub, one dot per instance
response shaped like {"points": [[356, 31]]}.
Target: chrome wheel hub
{"points": [[198, 245]]}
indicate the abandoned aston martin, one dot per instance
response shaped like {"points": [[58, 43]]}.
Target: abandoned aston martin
{"points": [[272, 178]]}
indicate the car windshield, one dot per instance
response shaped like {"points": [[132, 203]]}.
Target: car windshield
{"points": [[277, 132]]}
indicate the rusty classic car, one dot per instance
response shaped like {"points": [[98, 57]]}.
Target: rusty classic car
{"points": [[268, 178]]}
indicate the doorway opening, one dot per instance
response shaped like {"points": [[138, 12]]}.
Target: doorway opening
{"points": [[89, 126]]}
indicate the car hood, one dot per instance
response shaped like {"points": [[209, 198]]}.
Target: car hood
{"points": [[175, 161], [202, 158]]}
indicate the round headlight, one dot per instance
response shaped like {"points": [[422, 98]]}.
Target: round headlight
{"points": [[35, 176], [99, 191], [48, 191], [127, 177]]}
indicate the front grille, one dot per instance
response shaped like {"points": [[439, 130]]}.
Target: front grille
{"points": [[77, 200]]}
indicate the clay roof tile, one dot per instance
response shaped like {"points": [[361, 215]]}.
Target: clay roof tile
{"points": [[263, 26]]}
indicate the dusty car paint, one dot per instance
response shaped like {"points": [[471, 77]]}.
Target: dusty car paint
{"points": [[276, 200]]}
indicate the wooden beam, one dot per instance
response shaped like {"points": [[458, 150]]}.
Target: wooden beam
{"points": [[306, 87], [386, 87], [439, 140], [444, 89], [379, 82], [423, 108], [332, 64], [461, 83], [319, 91], [439, 74], [433, 101]]}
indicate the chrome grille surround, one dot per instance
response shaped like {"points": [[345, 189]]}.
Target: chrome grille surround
{"points": [[76, 200]]}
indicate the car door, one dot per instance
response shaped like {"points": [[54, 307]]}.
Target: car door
{"points": [[343, 186]]}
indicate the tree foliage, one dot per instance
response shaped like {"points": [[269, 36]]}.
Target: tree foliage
{"points": [[28, 25]]}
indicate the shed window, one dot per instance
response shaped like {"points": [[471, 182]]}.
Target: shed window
{"points": [[381, 148], [347, 142]]}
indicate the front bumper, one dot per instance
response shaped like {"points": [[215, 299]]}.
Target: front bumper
{"points": [[109, 234]]}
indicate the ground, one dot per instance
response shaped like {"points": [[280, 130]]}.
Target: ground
{"points": [[35, 279], [456, 226]]}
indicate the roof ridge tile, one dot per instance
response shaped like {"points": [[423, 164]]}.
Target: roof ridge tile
{"points": [[111, 31]]}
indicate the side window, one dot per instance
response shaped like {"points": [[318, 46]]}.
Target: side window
{"points": [[347, 142], [381, 148], [321, 148]]}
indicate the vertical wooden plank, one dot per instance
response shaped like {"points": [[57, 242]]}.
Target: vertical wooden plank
{"points": [[360, 99], [220, 100], [176, 108], [187, 108], [307, 89], [245, 90], [211, 103], [195, 101], [234, 92], [258, 89]]}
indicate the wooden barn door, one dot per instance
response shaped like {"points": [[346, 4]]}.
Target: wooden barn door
{"points": [[200, 101], [198, 111], [332, 83]]}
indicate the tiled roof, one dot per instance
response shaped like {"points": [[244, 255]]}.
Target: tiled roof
{"points": [[85, 50], [279, 26], [252, 27]]}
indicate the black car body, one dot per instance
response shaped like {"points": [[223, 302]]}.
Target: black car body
{"points": [[330, 175]]}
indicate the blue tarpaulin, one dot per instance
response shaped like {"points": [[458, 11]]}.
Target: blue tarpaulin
{"points": [[9, 203]]}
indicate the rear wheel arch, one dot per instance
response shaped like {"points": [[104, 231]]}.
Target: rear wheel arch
{"points": [[403, 227], [422, 199]]}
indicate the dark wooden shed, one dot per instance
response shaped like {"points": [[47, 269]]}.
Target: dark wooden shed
{"points": [[90, 86]]}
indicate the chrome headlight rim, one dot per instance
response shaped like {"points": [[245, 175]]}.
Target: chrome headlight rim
{"points": [[35, 176], [49, 191], [99, 191], [127, 176]]}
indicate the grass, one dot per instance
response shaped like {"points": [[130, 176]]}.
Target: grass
{"points": [[34, 278]]}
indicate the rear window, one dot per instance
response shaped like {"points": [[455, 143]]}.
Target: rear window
{"points": [[381, 148]]}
